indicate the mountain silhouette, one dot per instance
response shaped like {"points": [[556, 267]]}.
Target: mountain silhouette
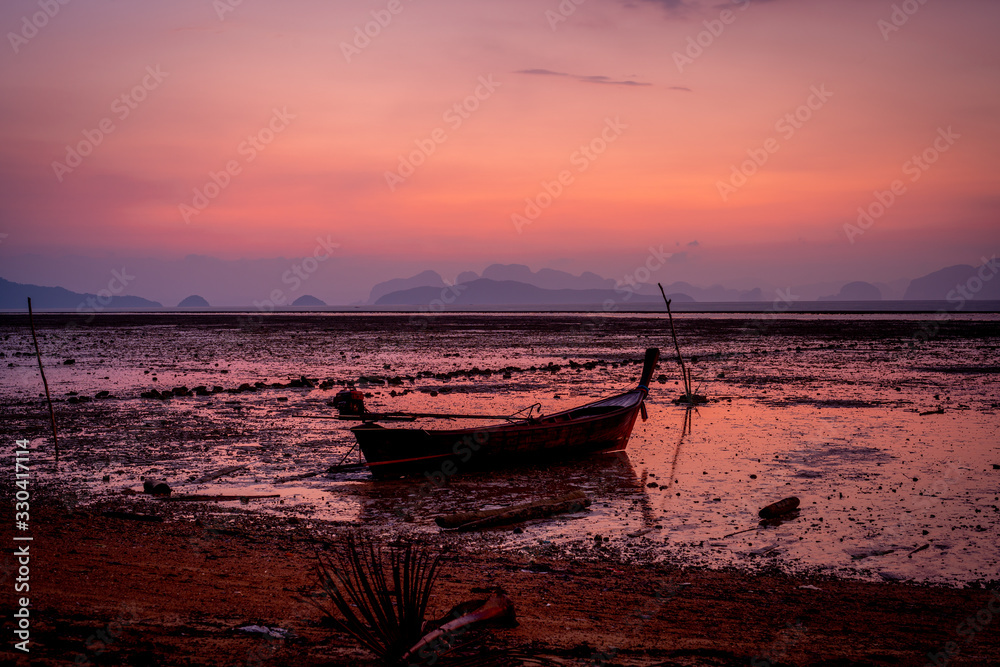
{"points": [[486, 292], [955, 283], [424, 279], [14, 296], [856, 291]]}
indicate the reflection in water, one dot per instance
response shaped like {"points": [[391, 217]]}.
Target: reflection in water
{"points": [[606, 478]]}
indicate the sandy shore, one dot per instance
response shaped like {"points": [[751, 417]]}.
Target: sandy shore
{"points": [[110, 591]]}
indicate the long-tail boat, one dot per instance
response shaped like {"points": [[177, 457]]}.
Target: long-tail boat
{"points": [[601, 426]]}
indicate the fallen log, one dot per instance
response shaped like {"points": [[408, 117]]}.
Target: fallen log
{"points": [[218, 473], [518, 513], [203, 497], [456, 520]]}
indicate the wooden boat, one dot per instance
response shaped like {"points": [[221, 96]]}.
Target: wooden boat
{"points": [[601, 426]]}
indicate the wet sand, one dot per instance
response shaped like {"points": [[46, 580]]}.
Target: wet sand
{"points": [[173, 593], [823, 408]]}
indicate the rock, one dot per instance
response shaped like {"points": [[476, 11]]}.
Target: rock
{"points": [[69, 362], [156, 487], [102, 394]]}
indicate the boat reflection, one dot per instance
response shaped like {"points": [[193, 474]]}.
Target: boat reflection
{"points": [[608, 479]]}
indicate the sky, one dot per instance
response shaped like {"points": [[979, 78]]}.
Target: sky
{"points": [[763, 143]]}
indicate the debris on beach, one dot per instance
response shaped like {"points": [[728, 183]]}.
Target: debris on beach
{"points": [[156, 487], [222, 472], [202, 497], [779, 508], [275, 632], [496, 609], [568, 503]]}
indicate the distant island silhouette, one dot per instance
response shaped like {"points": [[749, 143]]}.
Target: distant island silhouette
{"points": [[193, 301], [308, 300]]}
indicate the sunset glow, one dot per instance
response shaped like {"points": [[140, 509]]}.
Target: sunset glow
{"points": [[248, 129]]}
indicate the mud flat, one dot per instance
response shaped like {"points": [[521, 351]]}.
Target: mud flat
{"points": [[884, 426]]}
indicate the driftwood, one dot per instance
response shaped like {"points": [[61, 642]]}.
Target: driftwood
{"points": [[292, 478], [202, 497], [571, 502], [218, 473], [497, 608]]}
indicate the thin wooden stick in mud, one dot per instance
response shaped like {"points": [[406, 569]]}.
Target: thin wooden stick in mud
{"points": [[52, 412], [673, 332]]}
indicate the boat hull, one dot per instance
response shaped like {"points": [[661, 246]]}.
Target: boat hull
{"points": [[604, 426]]}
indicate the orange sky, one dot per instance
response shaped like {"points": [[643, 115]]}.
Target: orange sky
{"points": [[675, 132]]}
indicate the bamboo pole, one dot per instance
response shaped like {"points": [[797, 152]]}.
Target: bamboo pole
{"points": [[38, 354], [680, 359]]}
